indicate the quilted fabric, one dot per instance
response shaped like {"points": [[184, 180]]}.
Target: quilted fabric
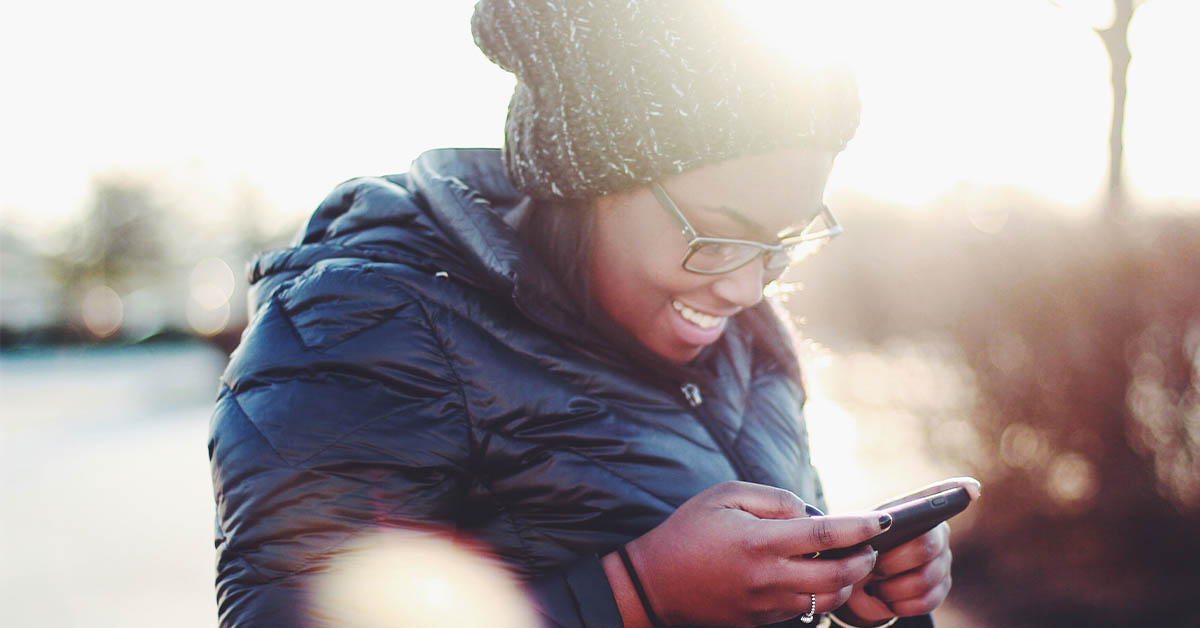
{"points": [[409, 366]]}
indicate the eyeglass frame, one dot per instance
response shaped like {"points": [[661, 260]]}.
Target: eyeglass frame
{"points": [[695, 240]]}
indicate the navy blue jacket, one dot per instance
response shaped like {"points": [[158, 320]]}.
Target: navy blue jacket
{"points": [[410, 364]]}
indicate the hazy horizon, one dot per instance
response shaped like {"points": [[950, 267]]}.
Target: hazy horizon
{"points": [[284, 101]]}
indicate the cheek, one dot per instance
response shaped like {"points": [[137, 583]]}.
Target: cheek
{"points": [[629, 253], [634, 279], [644, 268]]}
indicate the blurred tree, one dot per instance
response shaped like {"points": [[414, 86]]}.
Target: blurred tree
{"points": [[1084, 344], [1116, 42], [120, 236], [119, 243], [1114, 32]]}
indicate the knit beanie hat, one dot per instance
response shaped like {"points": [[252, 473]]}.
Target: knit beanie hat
{"points": [[613, 94]]}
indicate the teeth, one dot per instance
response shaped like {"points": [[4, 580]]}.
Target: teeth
{"points": [[704, 321]]}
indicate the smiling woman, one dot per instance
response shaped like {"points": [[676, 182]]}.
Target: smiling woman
{"points": [[558, 353]]}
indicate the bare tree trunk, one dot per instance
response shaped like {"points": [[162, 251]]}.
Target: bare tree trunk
{"points": [[1116, 41]]}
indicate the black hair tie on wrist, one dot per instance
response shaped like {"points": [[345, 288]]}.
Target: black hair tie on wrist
{"points": [[637, 586]]}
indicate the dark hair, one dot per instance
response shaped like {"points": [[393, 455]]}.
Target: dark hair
{"points": [[560, 233]]}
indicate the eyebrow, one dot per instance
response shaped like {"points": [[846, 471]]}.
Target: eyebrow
{"points": [[753, 227], [736, 216]]}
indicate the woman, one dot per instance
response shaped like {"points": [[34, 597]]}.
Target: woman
{"points": [[561, 351]]}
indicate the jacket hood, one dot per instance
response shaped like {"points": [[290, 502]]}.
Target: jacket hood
{"points": [[446, 215]]}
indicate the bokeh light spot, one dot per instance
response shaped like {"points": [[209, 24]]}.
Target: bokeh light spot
{"points": [[103, 311], [1023, 446], [207, 321], [407, 580], [210, 289], [211, 282], [1071, 479]]}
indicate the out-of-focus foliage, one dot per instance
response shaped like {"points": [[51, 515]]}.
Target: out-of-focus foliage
{"points": [[135, 265], [1084, 342], [121, 237]]}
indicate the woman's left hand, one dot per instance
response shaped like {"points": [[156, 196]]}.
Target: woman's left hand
{"points": [[910, 579]]}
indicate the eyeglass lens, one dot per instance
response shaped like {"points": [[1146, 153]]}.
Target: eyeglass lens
{"points": [[719, 257]]}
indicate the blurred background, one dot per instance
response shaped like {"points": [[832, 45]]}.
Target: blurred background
{"points": [[1017, 296]]}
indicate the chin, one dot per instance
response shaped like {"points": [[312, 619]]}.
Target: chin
{"points": [[679, 355]]}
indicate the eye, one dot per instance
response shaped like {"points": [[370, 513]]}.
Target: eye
{"points": [[718, 257], [718, 250]]}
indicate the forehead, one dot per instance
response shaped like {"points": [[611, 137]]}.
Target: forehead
{"points": [[770, 193]]}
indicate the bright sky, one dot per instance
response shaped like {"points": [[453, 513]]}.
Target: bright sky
{"points": [[293, 97]]}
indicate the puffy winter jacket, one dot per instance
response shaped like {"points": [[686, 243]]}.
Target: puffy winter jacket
{"points": [[409, 365]]}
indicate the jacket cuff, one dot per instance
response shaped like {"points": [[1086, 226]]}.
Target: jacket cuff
{"points": [[577, 595]]}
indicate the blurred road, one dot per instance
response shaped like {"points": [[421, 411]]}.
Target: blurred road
{"points": [[107, 515]]}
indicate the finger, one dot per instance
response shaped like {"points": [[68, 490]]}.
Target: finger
{"points": [[970, 484], [912, 584], [915, 553], [864, 605], [764, 502], [922, 604], [826, 575], [795, 537], [826, 602], [785, 605]]}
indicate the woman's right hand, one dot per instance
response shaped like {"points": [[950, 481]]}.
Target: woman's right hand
{"points": [[734, 556]]}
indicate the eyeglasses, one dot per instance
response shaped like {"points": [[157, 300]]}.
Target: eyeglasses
{"points": [[715, 256]]}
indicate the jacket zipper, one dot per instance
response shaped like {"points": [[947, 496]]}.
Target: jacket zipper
{"points": [[691, 394]]}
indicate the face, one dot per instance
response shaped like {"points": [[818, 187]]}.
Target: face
{"points": [[636, 274]]}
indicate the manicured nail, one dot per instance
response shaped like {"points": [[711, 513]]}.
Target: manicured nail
{"points": [[885, 521], [813, 511]]}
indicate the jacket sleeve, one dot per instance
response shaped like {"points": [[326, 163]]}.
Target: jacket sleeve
{"points": [[576, 595], [337, 415]]}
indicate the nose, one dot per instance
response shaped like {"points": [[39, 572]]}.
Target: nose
{"points": [[742, 287]]}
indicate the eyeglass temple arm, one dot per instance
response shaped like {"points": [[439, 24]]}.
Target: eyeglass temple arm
{"points": [[834, 228], [670, 206]]}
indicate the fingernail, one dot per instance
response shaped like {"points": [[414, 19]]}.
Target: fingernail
{"points": [[885, 521], [813, 511]]}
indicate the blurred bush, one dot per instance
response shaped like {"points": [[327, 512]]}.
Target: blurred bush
{"points": [[139, 263], [1084, 341]]}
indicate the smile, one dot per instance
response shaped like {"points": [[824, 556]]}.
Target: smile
{"points": [[699, 319]]}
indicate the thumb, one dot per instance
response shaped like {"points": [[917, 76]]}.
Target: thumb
{"points": [[764, 502]]}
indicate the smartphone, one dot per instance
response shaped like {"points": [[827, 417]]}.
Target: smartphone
{"points": [[909, 520]]}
